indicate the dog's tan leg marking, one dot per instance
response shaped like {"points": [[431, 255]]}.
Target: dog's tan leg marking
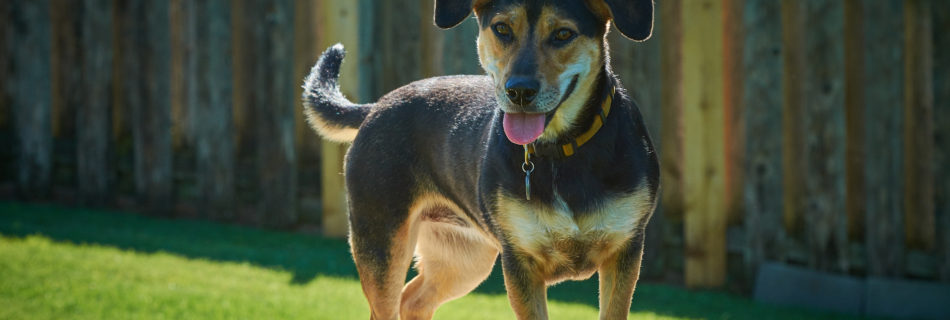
{"points": [[452, 261], [618, 278], [382, 286]]}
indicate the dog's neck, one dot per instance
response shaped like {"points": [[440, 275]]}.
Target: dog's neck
{"points": [[589, 109]]}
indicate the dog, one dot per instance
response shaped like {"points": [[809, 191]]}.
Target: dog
{"points": [[544, 161]]}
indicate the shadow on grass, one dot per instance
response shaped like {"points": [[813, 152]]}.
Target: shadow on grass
{"points": [[306, 256]]}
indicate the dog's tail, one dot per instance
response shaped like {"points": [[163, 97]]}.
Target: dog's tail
{"points": [[328, 111]]}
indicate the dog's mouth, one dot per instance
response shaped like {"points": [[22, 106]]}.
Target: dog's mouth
{"points": [[523, 128]]}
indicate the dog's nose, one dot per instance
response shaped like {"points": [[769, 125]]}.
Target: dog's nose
{"points": [[521, 90]]}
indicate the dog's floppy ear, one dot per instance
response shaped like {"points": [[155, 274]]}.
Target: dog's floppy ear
{"points": [[634, 18], [449, 13]]}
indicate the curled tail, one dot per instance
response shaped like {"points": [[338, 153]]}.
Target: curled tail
{"points": [[328, 111]]}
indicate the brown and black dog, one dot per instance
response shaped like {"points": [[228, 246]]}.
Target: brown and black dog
{"points": [[545, 160]]}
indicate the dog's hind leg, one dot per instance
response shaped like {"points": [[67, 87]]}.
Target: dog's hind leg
{"points": [[382, 249], [452, 261]]}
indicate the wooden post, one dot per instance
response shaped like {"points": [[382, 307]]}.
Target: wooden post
{"points": [[143, 36], [883, 121], [941, 79], [94, 175], [761, 66], [918, 125], [703, 164], [339, 23], [210, 94], [27, 30], [824, 137]]}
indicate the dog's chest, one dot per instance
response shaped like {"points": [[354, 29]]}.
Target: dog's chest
{"points": [[567, 243]]}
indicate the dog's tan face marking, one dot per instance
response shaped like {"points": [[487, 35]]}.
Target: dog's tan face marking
{"points": [[558, 64]]}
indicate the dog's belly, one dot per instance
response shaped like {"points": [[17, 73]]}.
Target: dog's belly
{"points": [[570, 245]]}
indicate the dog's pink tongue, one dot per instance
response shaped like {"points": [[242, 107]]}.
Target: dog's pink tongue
{"points": [[523, 128]]}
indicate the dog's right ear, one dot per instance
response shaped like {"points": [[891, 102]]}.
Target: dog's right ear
{"points": [[449, 13]]}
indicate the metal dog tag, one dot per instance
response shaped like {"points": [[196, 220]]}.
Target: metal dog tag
{"points": [[527, 167], [527, 185]]}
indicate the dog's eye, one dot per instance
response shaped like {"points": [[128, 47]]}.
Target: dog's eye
{"points": [[502, 30], [563, 34]]}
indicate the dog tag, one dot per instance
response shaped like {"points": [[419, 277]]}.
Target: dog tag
{"points": [[527, 185], [527, 167]]}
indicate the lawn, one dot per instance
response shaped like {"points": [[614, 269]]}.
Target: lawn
{"points": [[67, 263]]}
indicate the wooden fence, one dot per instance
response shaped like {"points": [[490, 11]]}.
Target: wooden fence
{"points": [[813, 133]]}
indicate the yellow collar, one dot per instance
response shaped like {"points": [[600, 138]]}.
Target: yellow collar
{"points": [[568, 149]]}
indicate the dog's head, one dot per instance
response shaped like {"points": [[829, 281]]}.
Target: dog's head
{"points": [[544, 57]]}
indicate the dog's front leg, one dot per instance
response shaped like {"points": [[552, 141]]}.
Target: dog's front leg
{"points": [[527, 292], [618, 278]]}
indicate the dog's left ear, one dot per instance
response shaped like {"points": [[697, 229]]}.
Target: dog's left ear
{"points": [[449, 13], [634, 18]]}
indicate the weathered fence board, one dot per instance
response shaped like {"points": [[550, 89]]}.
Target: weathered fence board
{"points": [[6, 154], [941, 79], [66, 67], [918, 125], [306, 51], [390, 52], [733, 108], [29, 90], [459, 55], [183, 42], [703, 164], [793, 145], [272, 109], [94, 174], [854, 118], [670, 135], [882, 83], [671, 99], [211, 93], [761, 96], [142, 29], [824, 137]]}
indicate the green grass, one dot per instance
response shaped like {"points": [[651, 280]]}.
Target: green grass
{"points": [[66, 263]]}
